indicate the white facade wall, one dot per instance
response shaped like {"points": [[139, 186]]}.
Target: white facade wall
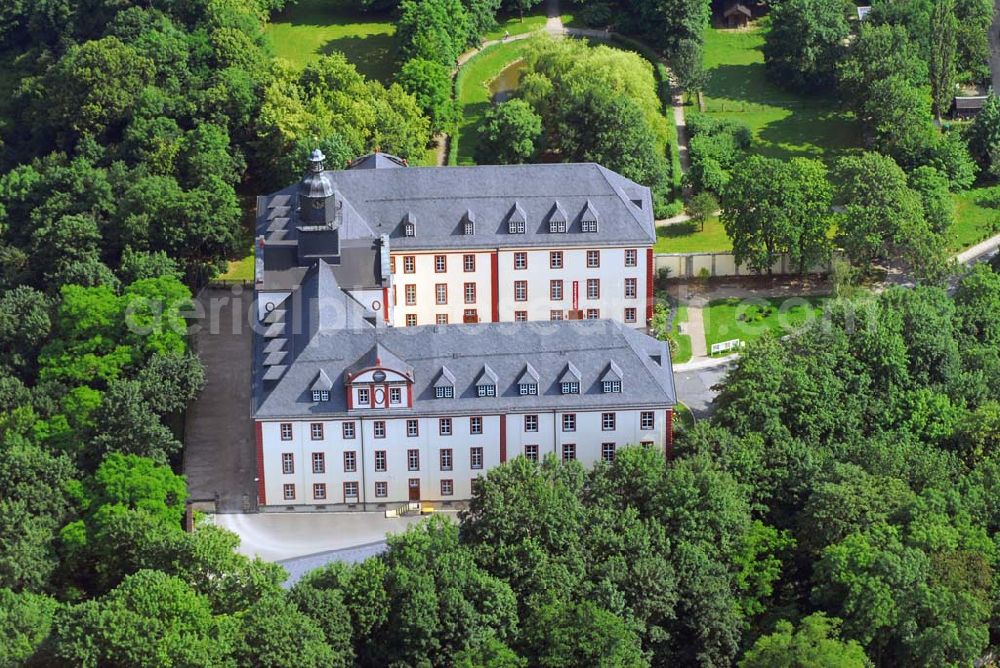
{"points": [[611, 273], [588, 438], [425, 278]]}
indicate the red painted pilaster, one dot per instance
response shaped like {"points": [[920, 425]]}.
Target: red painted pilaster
{"points": [[495, 285], [350, 397], [649, 284], [503, 438], [669, 437], [385, 304], [261, 494], [409, 395]]}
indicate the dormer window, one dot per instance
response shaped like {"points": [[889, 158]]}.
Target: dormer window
{"points": [[515, 227], [364, 396], [486, 383], [528, 389], [320, 389], [516, 223], [588, 219], [611, 379], [612, 386], [557, 226], [409, 230], [444, 387], [470, 228], [320, 395], [445, 392], [557, 220], [570, 387]]}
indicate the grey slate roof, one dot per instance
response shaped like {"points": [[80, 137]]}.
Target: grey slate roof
{"points": [[458, 352], [438, 198]]}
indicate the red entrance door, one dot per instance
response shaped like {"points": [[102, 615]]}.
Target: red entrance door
{"points": [[414, 489]]}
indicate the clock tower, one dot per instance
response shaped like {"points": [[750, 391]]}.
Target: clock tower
{"points": [[319, 213]]}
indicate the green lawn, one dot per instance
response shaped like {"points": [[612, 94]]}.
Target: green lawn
{"points": [[785, 124], [748, 319], [515, 26], [683, 353], [239, 270], [473, 95], [308, 29], [975, 220], [689, 238]]}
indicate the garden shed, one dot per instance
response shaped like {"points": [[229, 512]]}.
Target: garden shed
{"points": [[737, 15]]}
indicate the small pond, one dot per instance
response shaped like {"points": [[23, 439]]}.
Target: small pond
{"points": [[503, 85]]}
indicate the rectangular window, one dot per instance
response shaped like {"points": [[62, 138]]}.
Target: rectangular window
{"points": [[412, 428], [470, 316], [381, 489], [447, 488], [555, 314], [392, 265], [441, 319], [646, 444], [520, 260], [555, 260], [476, 458], [444, 426], [395, 395], [593, 259], [608, 452], [570, 387], [588, 226], [287, 463], [289, 492], [515, 227], [520, 291], [364, 397], [607, 421], [531, 452], [612, 386], [528, 389], [319, 462], [631, 257], [486, 390], [631, 288], [446, 459], [315, 395], [630, 315], [568, 451], [350, 491], [531, 423], [411, 320], [470, 293], [469, 263], [444, 392], [470, 228], [409, 264], [520, 316], [319, 491], [475, 425], [647, 420], [286, 431], [440, 264], [316, 431], [379, 428], [350, 461], [410, 290], [569, 422], [412, 460], [381, 460], [556, 290], [593, 288], [348, 429], [593, 314], [440, 293]]}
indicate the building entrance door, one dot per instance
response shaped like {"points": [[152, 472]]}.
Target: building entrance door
{"points": [[414, 489]]}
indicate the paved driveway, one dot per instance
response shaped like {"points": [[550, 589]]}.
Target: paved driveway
{"points": [[694, 387], [219, 451]]}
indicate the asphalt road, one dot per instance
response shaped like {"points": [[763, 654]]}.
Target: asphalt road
{"points": [[694, 388]]}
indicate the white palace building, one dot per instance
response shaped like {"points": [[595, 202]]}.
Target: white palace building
{"points": [[418, 326]]}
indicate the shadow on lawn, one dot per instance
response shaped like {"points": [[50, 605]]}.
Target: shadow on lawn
{"points": [[373, 55], [468, 135], [678, 230]]}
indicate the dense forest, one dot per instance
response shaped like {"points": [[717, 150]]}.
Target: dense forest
{"points": [[839, 508]]}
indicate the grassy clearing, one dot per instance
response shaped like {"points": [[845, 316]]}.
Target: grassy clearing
{"points": [[785, 125], [239, 270], [683, 353], [309, 29], [514, 25], [748, 319], [473, 96], [975, 220], [689, 238]]}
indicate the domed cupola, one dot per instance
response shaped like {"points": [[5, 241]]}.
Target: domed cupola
{"points": [[317, 196]]}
